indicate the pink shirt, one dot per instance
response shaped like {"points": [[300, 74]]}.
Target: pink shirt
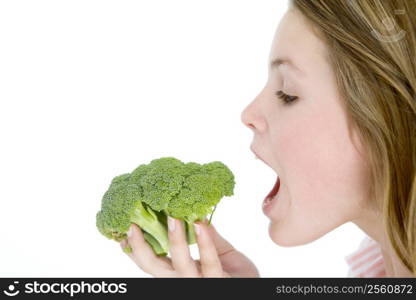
{"points": [[366, 261]]}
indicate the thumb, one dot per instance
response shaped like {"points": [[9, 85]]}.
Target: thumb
{"points": [[221, 244]]}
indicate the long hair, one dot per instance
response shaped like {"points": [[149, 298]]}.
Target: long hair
{"points": [[372, 49]]}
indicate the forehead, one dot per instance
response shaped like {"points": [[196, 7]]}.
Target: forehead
{"points": [[295, 41]]}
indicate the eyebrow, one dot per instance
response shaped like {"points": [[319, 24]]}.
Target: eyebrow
{"points": [[275, 63]]}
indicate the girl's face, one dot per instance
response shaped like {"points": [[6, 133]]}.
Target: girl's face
{"points": [[323, 179]]}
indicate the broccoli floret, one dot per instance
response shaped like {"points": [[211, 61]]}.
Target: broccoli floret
{"points": [[164, 187]]}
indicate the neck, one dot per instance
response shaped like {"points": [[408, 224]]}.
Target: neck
{"points": [[371, 222]]}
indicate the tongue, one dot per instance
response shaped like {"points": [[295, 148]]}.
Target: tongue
{"points": [[275, 189]]}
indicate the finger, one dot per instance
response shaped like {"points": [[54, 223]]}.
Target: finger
{"points": [[167, 260], [210, 262], [221, 244], [142, 254], [182, 261]]}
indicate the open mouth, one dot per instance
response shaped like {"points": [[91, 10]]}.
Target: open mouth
{"points": [[268, 200], [273, 192]]}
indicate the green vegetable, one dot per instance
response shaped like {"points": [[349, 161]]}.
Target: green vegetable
{"points": [[164, 187]]}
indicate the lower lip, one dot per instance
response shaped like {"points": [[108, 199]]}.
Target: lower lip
{"points": [[271, 198]]}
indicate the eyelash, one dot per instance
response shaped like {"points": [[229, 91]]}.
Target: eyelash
{"points": [[287, 99]]}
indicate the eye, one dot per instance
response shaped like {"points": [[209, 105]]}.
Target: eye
{"points": [[286, 98]]}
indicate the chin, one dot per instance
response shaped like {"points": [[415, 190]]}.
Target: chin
{"points": [[290, 238]]}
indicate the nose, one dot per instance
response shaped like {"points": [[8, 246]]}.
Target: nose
{"points": [[250, 116], [246, 119]]}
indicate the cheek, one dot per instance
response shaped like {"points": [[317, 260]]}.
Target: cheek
{"points": [[322, 177], [320, 167]]}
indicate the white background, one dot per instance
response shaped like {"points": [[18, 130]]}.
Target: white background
{"points": [[91, 89]]}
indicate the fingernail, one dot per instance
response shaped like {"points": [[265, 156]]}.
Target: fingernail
{"points": [[130, 232], [197, 228], [171, 224]]}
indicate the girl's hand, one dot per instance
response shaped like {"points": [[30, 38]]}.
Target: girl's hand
{"points": [[218, 258]]}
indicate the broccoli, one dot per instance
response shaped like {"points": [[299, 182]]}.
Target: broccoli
{"points": [[164, 187]]}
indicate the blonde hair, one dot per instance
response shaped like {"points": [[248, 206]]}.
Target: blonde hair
{"points": [[372, 48]]}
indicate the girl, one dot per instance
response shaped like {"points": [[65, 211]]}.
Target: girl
{"points": [[336, 120]]}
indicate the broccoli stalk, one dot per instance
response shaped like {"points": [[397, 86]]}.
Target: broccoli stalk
{"points": [[154, 231]]}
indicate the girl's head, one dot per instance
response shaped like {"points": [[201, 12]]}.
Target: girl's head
{"points": [[345, 146]]}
